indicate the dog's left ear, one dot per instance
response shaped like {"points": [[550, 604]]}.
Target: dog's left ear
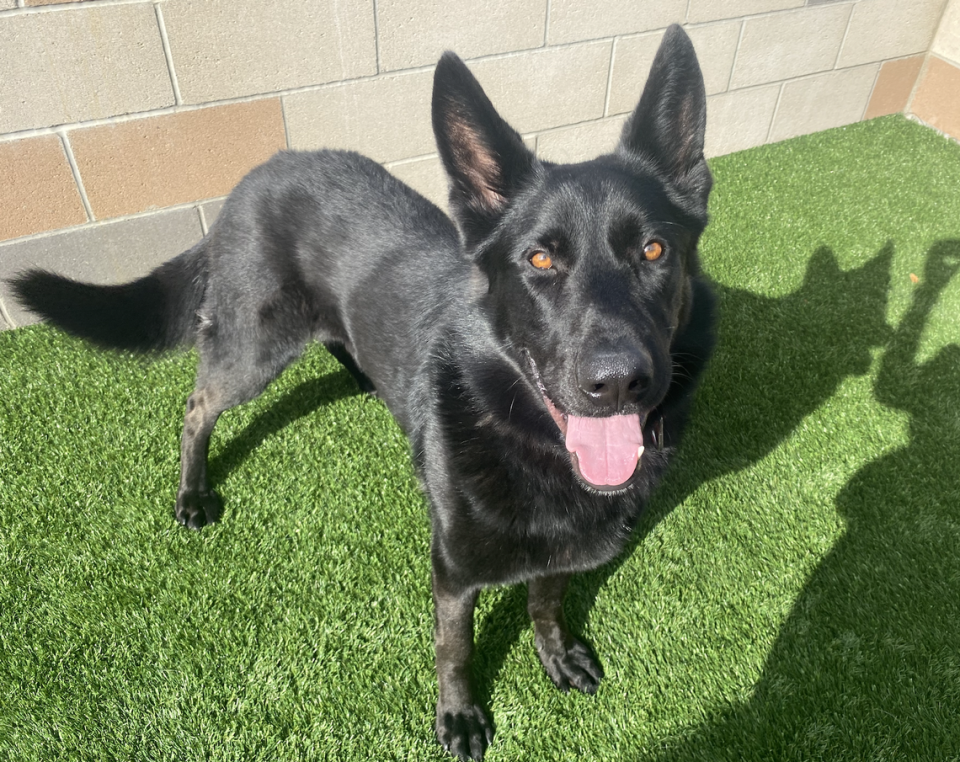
{"points": [[484, 156], [668, 126]]}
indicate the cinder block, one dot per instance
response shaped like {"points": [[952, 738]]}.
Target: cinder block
{"points": [[174, 158], [713, 10], [76, 65], [946, 44], [247, 47], [791, 44], [108, 253], [38, 192], [548, 88], [415, 32], [426, 176], [386, 118], [824, 101], [716, 46], [739, 119], [575, 20], [935, 100], [881, 29], [893, 87], [580, 142]]}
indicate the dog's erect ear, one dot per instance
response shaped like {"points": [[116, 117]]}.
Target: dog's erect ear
{"points": [[667, 128], [485, 157]]}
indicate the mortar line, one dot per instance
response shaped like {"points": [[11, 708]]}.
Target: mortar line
{"points": [[283, 117], [203, 220], [168, 54], [736, 56], [846, 31], [72, 161], [776, 110], [6, 315], [546, 24], [606, 98], [376, 35]]}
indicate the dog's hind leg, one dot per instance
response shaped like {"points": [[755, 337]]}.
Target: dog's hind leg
{"points": [[567, 661], [241, 352]]}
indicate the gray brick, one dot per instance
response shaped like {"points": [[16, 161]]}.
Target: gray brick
{"points": [[712, 10], [415, 32], [247, 47], [881, 29], [580, 142], [386, 118], [88, 63], [739, 119], [824, 101], [791, 44], [105, 253], [575, 20], [547, 88]]}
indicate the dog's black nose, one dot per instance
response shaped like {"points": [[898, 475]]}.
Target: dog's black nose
{"points": [[614, 379]]}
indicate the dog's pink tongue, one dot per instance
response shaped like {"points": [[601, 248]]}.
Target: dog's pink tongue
{"points": [[607, 449]]}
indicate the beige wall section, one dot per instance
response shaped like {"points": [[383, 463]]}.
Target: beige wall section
{"points": [[80, 63], [135, 109], [936, 97]]}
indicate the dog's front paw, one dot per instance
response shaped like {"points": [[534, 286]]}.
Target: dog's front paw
{"points": [[570, 664], [197, 509], [465, 732]]}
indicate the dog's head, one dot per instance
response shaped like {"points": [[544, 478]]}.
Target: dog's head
{"points": [[588, 265]]}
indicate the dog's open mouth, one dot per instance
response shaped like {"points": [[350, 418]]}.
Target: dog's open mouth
{"points": [[604, 451]]}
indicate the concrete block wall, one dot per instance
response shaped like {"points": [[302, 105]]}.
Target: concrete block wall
{"points": [[123, 123]]}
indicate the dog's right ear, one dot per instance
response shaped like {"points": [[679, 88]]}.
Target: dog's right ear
{"points": [[484, 157]]}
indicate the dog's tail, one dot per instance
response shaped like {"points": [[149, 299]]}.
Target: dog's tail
{"points": [[154, 313]]}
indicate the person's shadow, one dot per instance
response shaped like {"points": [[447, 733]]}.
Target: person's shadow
{"points": [[778, 359], [867, 664]]}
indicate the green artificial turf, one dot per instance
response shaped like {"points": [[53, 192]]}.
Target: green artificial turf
{"points": [[793, 591]]}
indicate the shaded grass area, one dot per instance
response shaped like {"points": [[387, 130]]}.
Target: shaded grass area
{"points": [[792, 592]]}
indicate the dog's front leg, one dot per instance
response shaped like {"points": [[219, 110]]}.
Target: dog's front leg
{"points": [[567, 661], [462, 726]]}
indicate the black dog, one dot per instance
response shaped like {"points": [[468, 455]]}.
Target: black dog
{"points": [[541, 360]]}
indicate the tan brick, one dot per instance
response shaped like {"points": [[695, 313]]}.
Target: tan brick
{"points": [[712, 10], [387, 118], [895, 82], [716, 46], [75, 65], [174, 158], [580, 142], [111, 253], [824, 101], [575, 20], [426, 176], [246, 47], [882, 29], [38, 191], [548, 88], [739, 119], [415, 32], [946, 44], [935, 100], [790, 44]]}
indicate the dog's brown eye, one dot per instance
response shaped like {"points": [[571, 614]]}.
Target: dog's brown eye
{"points": [[541, 260], [652, 251]]}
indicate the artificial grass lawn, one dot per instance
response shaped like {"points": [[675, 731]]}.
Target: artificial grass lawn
{"points": [[793, 591]]}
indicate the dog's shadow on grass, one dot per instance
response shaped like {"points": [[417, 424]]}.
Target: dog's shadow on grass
{"points": [[297, 403], [778, 359], [867, 664]]}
